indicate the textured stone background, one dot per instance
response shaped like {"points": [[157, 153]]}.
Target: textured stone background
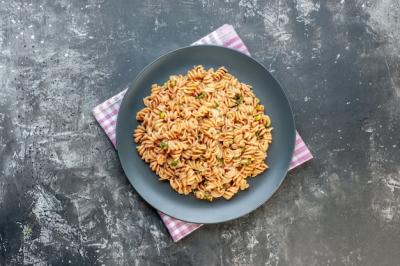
{"points": [[64, 198]]}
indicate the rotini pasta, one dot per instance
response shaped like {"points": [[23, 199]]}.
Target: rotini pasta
{"points": [[205, 132]]}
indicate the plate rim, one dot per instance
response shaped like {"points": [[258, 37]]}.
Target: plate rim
{"points": [[292, 122]]}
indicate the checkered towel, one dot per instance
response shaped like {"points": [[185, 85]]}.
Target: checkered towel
{"points": [[106, 114]]}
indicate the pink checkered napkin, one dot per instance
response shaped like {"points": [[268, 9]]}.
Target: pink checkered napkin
{"points": [[107, 112]]}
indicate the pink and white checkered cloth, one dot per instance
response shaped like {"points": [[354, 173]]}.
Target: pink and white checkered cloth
{"points": [[106, 114]]}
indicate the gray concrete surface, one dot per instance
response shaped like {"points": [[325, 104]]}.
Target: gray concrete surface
{"points": [[64, 198]]}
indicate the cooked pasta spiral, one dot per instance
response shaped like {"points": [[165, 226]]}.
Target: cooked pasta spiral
{"points": [[205, 132]]}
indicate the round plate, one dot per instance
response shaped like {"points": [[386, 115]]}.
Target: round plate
{"points": [[159, 194]]}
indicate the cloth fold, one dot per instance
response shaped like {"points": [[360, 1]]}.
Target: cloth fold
{"points": [[106, 115]]}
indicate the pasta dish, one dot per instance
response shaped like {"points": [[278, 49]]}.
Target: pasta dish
{"points": [[204, 132]]}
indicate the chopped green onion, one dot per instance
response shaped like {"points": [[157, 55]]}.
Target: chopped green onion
{"points": [[174, 163], [238, 98], [162, 114], [201, 95], [259, 107], [258, 117], [164, 145], [216, 105], [207, 196], [173, 83], [219, 159]]}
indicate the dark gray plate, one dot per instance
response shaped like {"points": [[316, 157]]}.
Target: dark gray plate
{"points": [[188, 208]]}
